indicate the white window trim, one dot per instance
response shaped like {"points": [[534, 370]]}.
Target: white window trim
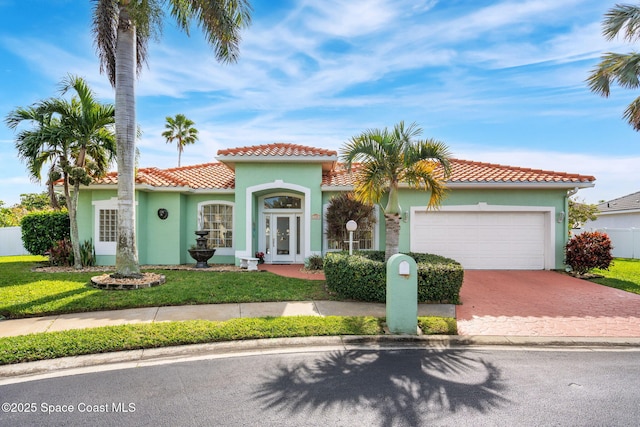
{"points": [[103, 248], [220, 251]]}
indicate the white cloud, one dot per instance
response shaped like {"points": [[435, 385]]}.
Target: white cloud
{"points": [[352, 18]]}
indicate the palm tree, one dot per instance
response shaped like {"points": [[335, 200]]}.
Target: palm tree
{"points": [[75, 136], [182, 131], [623, 69], [389, 158], [40, 145], [122, 29]]}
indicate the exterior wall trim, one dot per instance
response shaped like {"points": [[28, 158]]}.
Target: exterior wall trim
{"points": [[278, 184]]}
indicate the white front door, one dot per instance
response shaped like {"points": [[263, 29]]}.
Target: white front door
{"points": [[281, 237]]}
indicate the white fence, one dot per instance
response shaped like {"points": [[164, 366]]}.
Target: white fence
{"points": [[11, 241], [625, 241]]}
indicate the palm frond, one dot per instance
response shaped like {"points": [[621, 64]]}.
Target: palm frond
{"points": [[388, 158], [221, 21], [622, 69], [106, 15], [632, 114], [622, 19]]}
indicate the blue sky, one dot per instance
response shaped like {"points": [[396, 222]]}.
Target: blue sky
{"points": [[498, 81]]}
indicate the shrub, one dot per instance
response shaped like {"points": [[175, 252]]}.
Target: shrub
{"points": [[587, 251], [314, 262], [363, 276], [40, 230], [87, 253], [61, 253]]}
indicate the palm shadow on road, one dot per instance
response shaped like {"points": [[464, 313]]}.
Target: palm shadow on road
{"points": [[407, 387]]}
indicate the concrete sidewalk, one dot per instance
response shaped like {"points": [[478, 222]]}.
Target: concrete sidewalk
{"points": [[219, 312]]}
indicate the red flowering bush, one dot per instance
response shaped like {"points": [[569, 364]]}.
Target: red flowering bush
{"points": [[61, 253], [587, 251]]}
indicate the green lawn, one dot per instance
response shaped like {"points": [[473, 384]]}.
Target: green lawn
{"points": [[622, 274], [25, 293]]}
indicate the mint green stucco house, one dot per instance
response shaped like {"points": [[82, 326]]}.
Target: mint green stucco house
{"points": [[271, 198]]}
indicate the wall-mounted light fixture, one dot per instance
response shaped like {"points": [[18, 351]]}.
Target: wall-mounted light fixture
{"points": [[560, 217], [163, 213], [405, 217]]}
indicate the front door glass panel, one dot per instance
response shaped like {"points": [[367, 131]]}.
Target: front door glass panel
{"points": [[283, 235]]}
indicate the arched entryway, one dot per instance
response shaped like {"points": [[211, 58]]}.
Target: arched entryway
{"points": [[281, 233], [278, 222]]}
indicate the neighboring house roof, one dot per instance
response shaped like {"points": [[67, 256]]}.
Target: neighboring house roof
{"points": [[221, 175], [629, 202]]}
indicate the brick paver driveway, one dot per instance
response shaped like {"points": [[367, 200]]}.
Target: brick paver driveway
{"points": [[544, 303]]}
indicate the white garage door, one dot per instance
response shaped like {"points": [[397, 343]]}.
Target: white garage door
{"points": [[482, 240]]}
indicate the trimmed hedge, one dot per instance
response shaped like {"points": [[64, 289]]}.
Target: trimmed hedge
{"points": [[363, 276], [40, 230]]}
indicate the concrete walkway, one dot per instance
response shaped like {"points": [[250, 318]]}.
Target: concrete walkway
{"points": [[219, 312]]}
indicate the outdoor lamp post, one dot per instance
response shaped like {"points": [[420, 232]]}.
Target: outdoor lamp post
{"points": [[351, 227]]}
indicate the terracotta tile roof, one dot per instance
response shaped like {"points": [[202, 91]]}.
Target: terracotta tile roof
{"points": [[277, 150], [465, 171], [468, 171], [218, 176], [204, 176]]}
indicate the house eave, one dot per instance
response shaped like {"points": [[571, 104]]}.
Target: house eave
{"points": [[528, 185], [487, 185], [620, 212], [151, 188]]}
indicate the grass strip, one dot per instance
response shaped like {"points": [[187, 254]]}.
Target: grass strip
{"points": [[438, 325], [51, 345], [76, 342]]}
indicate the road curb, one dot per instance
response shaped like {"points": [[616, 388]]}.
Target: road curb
{"points": [[135, 358]]}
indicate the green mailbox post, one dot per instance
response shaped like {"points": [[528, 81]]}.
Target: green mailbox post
{"points": [[402, 295]]}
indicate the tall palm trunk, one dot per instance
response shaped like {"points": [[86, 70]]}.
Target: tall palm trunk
{"points": [[392, 231], [72, 206], [392, 221], [127, 252]]}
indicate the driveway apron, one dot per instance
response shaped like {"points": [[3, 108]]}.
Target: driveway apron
{"points": [[544, 303]]}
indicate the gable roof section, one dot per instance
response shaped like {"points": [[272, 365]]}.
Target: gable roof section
{"points": [[465, 172], [279, 152], [630, 202]]}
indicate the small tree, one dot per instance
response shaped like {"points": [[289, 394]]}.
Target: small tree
{"points": [[8, 216], [587, 251], [581, 212], [345, 207]]}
